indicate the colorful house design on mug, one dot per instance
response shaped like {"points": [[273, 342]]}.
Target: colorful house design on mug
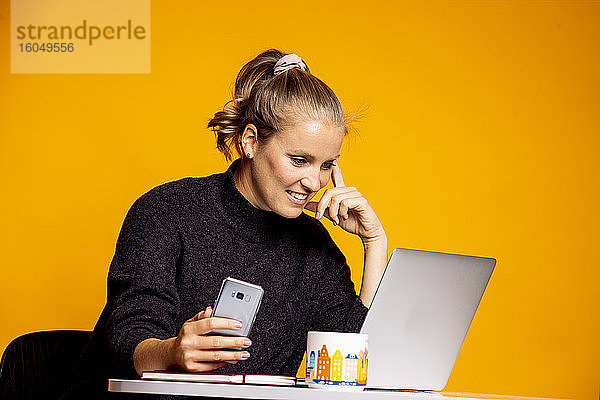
{"points": [[323, 364], [361, 370], [310, 368], [336, 366], [337, 370], [350, 367]]}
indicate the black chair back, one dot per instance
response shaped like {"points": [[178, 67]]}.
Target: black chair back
{"points": [[39, 365]]}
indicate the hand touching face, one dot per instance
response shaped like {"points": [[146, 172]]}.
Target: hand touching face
{"points": [[346, 206], [284, 173]]}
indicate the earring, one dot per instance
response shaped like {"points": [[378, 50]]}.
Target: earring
{"points": [[249, 155]]}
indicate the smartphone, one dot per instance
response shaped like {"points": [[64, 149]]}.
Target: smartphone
{"points": [[238, 300]]}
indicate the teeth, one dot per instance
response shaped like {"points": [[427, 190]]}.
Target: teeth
{"points": [[298, 195]]}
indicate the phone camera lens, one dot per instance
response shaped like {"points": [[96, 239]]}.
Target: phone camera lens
{"points": [[240, 295]]}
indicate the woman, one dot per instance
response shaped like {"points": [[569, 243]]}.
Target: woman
{"points": [[182, 238]]}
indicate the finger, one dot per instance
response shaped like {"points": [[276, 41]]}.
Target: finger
{"points": [[343, 210], [343, 213], [220, 355], [336, 176], [326, 199], [202, 314], [348, 204], [312, 206], [222, 342], [336, 199], [207, 325], [356, 204]]}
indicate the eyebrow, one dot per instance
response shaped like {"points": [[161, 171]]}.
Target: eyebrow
{"points": [[308, 155]]}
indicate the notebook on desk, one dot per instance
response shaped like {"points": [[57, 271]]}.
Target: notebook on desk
{"points": [[420, 315], [212, 377]]}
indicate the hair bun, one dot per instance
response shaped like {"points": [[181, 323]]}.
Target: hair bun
{"points": [[288, 61], [272, 105]]}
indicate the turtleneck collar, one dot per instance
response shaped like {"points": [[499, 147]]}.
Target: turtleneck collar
{"points": [[252, 223]]}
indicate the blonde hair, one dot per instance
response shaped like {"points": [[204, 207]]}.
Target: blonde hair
{"points": [[274, 102]]}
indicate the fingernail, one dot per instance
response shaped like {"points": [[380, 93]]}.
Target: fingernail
{"points": [[237, 325], [334, 223], [247, 342], [318, 215], [245, 354]]}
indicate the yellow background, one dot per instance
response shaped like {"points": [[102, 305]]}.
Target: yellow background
{"points": [[481, 138]]}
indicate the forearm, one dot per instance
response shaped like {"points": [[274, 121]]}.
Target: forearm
{"points": [[375, 262], [153, 354]]}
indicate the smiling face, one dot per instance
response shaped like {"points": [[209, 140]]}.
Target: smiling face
{"points": [[288, 170]]}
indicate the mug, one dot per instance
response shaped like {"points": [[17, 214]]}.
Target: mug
{"points": [[337, 360]]}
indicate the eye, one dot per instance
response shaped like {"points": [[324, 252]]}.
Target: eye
{"points": [[298, 161], [327, 165]]}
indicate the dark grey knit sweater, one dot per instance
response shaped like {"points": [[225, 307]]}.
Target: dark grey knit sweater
{"points": [[181, 239]]}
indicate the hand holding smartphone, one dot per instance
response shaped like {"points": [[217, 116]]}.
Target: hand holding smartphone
{"points": [[240, 301]]}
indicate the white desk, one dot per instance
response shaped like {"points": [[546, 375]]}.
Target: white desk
{"points": [[283, 392]]}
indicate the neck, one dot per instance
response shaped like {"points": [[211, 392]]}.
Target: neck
{"points": [[243, 182]]}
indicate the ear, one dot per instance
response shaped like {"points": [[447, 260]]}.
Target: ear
{"points": [[249, 140]]}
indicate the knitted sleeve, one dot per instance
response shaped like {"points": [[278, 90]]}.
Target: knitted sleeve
{"points": [[142, 295], [339, 308]]}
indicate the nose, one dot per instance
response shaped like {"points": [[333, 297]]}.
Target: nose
{"points": [[311, 180]]}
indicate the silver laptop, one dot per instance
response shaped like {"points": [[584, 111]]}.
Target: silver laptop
{"points": [[420, 315]]}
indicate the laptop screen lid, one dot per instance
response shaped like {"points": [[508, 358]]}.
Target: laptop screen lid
{"points": [[420, 315]]}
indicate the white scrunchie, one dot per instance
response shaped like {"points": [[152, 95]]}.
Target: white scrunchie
{"points": [[288, 62]]}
